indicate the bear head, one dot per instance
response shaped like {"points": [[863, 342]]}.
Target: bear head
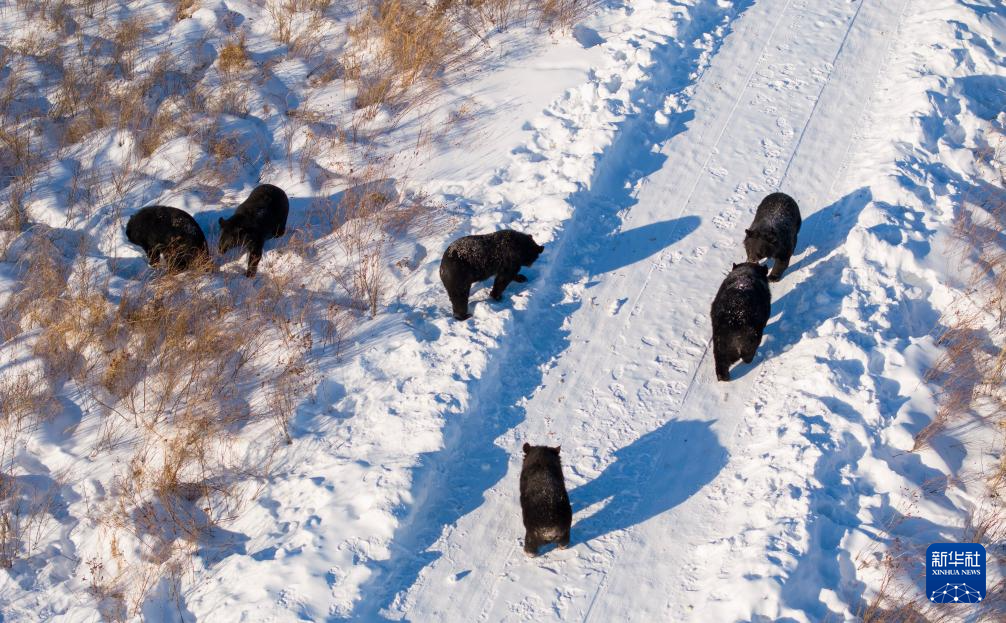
{"points": [[533, 451], [759, 269], [232, 235], [760, 243], [529, 250]]}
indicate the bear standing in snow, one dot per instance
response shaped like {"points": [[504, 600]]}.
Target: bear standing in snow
{"points": [[476, 258], [544, 503], [260, 217], [773, 232], [168, 234], [740, 312]]}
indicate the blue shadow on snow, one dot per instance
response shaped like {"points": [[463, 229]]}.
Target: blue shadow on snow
{"points": [[675, 460]]}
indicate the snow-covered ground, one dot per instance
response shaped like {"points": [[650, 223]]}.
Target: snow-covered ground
{"points": [[636, 148]]}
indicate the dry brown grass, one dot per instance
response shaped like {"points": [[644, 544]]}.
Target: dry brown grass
{"points": [[970, 376], [402, 53], [25, 403], [972, 370], [897, 601], [126, 37], [185, 8], [483, 16], [401, 45], [174, 368], [174, 373], [233, 55]]}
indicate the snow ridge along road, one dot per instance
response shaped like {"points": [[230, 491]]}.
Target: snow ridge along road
{"points": [[659, 457]]}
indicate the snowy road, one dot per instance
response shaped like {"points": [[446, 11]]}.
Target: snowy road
{"points": [[684, 490], [635, 146]]}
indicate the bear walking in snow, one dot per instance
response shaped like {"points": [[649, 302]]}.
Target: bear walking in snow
{"points": [[476, 258], [260, 217], [168, 234], [544, 502], [773, 232], [740, 312]]}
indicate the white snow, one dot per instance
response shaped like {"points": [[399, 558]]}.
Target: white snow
{"points": [[635, 148]]}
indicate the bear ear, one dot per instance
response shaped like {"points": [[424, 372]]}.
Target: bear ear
{"points": [[527, 447], [221, 221], [763, 269], [557, 449], [735, 266], [541, 248], [749, 233]]}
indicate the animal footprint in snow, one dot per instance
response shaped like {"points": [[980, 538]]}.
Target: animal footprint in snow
{"points": [[784, 127], [724, 220], [770, 148], [697, 253], [718, 172]]}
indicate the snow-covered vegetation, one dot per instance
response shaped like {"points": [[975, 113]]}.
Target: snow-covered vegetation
{"points": [[323, 441]]}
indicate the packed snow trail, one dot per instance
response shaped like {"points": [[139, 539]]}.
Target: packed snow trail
{"points": [[615, 366]]}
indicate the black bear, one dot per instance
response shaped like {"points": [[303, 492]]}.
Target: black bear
{"points": [[476, 258], [773, 232], [740, 312], [168, 234], [260, 217], [544, 502]]}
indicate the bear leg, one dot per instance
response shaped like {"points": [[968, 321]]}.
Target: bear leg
{"points": [[749, 348], [531, 545], [254, 256], [563, 541], [779, 266], [459, 300], [503, 279], [722, 365]]}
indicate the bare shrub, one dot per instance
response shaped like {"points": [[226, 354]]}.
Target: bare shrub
{"points": [[401, 45], [175, 373], [185, 8], [25, 402], [970, 376], [972, 369], [233, 55], [126, 37], [558, 14]]}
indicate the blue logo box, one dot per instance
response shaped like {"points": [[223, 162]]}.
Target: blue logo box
{"points": [[955, 573]]}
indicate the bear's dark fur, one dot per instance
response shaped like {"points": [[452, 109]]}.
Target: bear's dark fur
{"points": [[476, 258], [740, 312], [544, 503], [260, 217], [168, 234], [773, 232]]}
